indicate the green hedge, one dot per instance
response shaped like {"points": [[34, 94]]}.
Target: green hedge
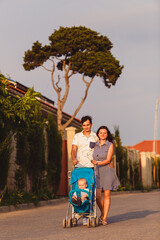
{"points": [[5, 152], [54, 154], [30, 156], [23, 118], [5, 134]]}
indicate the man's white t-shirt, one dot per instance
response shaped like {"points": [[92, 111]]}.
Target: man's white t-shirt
{"points": [[84, 150]]}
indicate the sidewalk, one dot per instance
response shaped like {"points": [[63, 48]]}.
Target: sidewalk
{"points": [[25, 206]]}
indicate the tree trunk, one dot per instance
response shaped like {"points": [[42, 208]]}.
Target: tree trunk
{"points": [[59, 117]]}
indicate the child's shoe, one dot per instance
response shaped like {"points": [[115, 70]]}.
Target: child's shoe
{"points": [[79, 202]]}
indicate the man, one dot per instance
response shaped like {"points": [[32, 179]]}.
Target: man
{"points": [[83, 145], [82, 148]]}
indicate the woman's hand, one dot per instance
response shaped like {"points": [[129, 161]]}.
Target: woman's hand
{"points": [[94, 162]]}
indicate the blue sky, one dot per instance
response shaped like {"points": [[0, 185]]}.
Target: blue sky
{"points": [[134, 29]]}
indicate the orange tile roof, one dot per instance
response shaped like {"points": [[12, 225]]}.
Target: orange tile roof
{"points": [[147, 146]]}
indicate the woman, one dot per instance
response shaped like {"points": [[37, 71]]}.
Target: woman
{"points": [[106, 177]]}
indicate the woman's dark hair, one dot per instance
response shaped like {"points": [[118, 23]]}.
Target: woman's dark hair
{"points": [[109, 137], [85, 118]]}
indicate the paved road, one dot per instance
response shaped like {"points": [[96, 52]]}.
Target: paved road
{"points": [[133, 216]]}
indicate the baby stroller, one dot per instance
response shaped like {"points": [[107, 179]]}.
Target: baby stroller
{"points": [[88, 207]]}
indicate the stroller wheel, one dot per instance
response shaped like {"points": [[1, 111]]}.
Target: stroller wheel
{"points": [[88, 222], [74, 221], [97, 221], [93, 222], [69, 222], [64, 223]]}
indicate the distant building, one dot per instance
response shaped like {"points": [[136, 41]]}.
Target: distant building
{"points": [[147, 146], [147, 160]]}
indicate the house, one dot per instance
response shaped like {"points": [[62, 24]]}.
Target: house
{"points": [[147, 146], [149, 151]]}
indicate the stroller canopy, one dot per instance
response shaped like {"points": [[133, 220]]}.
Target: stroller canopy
{"points": [[87, 173]]}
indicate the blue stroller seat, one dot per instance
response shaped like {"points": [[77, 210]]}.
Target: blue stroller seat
{"points": [[88, 174]]}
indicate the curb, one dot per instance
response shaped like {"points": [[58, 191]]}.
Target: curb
{"points": [[134, 191], [25, 206]]}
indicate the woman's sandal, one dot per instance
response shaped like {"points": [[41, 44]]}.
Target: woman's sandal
{"points": [[100, 219], [104, 223]]}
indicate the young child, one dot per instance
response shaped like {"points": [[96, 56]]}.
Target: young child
{"points": [[82, 184]]}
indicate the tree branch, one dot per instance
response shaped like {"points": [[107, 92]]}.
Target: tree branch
{"points": [[59, 59], [64, 65], [80, 105], [51, 60], [59, 88], [56, 89], [66, 83], [49, 70], [84, 80], [73, 72], [106, 74]]}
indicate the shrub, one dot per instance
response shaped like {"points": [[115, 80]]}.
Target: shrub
{"points": [[54, 154]]}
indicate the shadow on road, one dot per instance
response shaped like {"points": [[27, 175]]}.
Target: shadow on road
{"points": [[131, 215]]}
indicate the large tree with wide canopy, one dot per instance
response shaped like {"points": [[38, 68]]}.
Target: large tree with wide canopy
{"points": [[74, 50]]}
